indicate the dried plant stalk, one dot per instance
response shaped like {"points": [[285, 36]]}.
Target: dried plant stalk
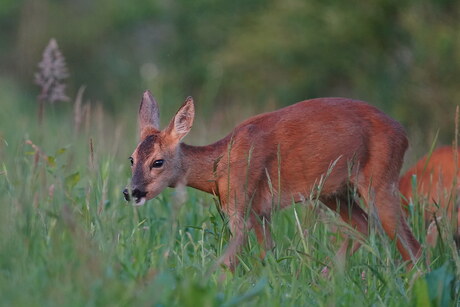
{"points": [[78, 110], [52, 71]]}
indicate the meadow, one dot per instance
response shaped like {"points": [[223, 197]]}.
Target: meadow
{"points": [[68, 238]]}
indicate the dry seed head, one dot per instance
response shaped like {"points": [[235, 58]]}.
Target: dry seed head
{"points": [[52, 71]]}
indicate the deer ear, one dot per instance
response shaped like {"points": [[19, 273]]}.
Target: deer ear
{"points": [[183, 120], [149, 113]]}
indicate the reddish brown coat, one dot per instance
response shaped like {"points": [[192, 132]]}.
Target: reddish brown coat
{"points": [[274, 159], [437, 182]]}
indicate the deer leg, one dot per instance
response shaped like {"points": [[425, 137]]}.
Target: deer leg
{"points": [[262, 229], [392, 219], [356, 217], [239, 228], [353, 215]]}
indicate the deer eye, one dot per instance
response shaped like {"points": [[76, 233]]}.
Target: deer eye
{"points": [[131, 160], [157, 164]]}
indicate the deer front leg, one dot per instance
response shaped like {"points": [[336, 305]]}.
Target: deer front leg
{"points": [[239, 228], [262, 229]]}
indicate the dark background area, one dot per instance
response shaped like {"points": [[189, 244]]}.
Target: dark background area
{"points": [[403, 56]]}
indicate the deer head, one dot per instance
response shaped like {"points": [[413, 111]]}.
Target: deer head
{"points": [[156, 163]]}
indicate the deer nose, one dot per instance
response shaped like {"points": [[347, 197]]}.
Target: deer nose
{"points": [[126, 194], [138, 193]]}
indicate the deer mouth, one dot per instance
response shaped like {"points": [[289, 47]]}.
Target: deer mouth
{"points": [[139, 201], [139, 197]]}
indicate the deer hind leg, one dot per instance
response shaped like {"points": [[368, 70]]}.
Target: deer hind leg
{"points": [[355, 216], [387, 204], [262, 229]]}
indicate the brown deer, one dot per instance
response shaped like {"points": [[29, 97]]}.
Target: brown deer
{"points": [[437, 178], [323, 147], [437, 183]]}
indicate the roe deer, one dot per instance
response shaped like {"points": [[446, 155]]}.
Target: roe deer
{"points": [[274, 159], [437, 183]]}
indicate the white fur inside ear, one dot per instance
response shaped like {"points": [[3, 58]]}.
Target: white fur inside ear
{"points": [[183, 120], [182, 123]]}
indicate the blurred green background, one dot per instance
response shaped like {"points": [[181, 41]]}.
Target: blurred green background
{"points": [[68, 238], [251, 56]]}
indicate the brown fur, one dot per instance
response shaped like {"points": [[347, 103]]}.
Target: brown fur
{"points": [[299, 143], [438, 182]]}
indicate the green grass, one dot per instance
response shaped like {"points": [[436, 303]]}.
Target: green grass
{"points": [[69, 238]]}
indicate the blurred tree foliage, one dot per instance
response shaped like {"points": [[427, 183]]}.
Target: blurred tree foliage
{"points": [[403, 56]]}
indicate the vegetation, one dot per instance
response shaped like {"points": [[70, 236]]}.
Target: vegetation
{"points": [[69, 238], [400, 55]]}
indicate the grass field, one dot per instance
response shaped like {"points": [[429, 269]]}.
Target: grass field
{"points": [[69, 239]]}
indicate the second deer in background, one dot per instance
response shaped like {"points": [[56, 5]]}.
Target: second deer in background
{"points": [[434, 181]]}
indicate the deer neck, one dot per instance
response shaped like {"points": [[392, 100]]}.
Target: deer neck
{"points": [[199, 163]]}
